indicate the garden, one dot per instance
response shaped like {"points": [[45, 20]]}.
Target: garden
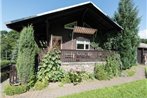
{"points": [[119, 64], [49, 70]]}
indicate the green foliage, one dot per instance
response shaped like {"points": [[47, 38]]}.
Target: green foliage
{"points": [[66, 78], [136, 89], [4, 63], [49, 68], [144, 41], [100, 72], [113, 65], [4, 76], [8, 42], [95, 45], [12, 90], [27, 49], [86, 76], [128, 40], [39, 85], [75, 77], [110, 69]]}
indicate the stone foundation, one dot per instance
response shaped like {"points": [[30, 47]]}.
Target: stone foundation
{"points": [[80, 66]]}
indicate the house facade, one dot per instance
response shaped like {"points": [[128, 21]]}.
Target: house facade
{"points": [[72, 29]]}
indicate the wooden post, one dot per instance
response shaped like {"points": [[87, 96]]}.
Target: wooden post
{"points": [[47, 32], [72, 40]]}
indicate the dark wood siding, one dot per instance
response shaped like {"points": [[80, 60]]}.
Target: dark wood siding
{"points": [[140, 55]]}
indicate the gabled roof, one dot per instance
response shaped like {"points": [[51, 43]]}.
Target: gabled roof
{"points": [[11, 24]]}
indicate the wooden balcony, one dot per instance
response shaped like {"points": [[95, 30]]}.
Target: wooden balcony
{"points": [[84, 55]]}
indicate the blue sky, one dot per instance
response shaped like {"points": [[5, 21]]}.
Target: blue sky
{"points": [[15, 9]]}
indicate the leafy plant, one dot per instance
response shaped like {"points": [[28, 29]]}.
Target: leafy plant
{"points": [[66, 79], [39, 85], [49, 68], [12, 90], [100, 72], [75, 77], [113, 65], [95, 45]]}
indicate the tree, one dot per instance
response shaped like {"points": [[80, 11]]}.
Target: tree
{"points": [[8, 42], [144, 41], [128, 39], [27, 49]]}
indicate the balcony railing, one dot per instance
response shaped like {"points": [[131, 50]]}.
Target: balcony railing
{"points": [[84, 55]]}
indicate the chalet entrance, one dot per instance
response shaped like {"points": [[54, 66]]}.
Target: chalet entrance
{"points": [[56, 42]]}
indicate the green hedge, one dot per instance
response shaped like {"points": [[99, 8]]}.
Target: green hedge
{"points": [[5, 63], [12, 90]]}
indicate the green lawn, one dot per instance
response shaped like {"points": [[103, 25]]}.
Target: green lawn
{"points": [[137, 89]]}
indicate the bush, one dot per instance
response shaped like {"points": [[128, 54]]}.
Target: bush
{"points": [[12, 90], [100, 72], [5, 63], [39, 85], [4, 76], [75, 77], [66, 79], [86, 76], [113, 65], [50, 67]]}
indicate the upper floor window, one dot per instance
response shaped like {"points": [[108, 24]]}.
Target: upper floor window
{"points": [[82, 43]]}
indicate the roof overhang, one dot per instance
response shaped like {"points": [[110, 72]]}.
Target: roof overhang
{"points": [[142, 45], [84, 30], [90, 12]]}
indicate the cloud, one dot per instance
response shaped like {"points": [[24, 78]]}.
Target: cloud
{"points": [[143, 34]]}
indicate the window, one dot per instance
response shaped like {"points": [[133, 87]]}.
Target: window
{"points": [[82, 44]]}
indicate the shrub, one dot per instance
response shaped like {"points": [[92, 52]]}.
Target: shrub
{"points": [[100, 72], [86, 76], [39, 85], [4, 76], [113, 65], [50, 67], [12, 90], [5, 63], [75, 77], [66, 79], [27, 49]]}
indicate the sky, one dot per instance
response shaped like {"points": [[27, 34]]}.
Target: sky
{"points": [[15, 9]]}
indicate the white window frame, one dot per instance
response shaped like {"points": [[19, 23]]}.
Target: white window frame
{"points": [[83, 42]]}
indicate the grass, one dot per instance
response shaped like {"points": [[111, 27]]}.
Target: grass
{"points": [[137, 89]]}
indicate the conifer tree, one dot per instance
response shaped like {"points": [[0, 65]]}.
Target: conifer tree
{"points": [[27, 49], [127, 40]]}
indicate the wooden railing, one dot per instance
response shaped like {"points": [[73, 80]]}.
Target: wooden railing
{"points": [[84, 55]]}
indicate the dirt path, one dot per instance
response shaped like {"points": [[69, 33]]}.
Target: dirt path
{"points": [[54, 91]]}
